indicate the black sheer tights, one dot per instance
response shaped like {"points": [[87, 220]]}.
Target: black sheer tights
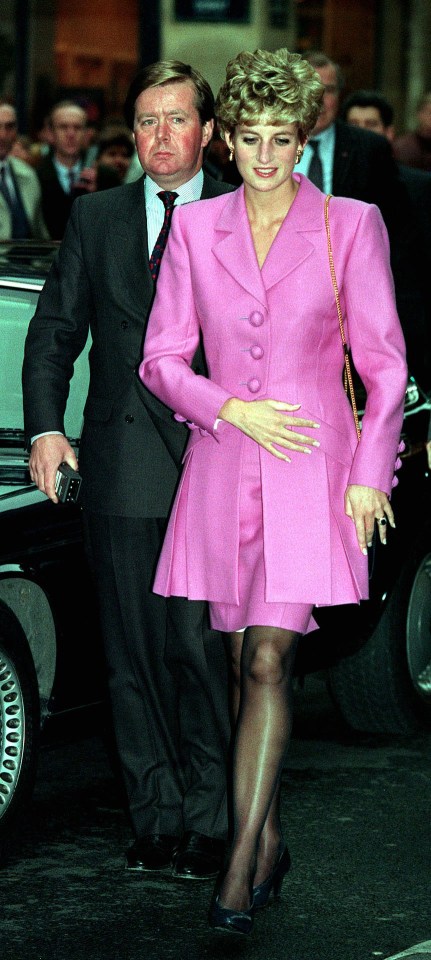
{"points": [[262, 663]]}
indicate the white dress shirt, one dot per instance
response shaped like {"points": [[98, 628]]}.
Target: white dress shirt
{"points": [[155, 209]]}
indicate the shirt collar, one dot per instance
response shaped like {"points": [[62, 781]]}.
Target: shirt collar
{"points": [[64, 171], [186, 192], [326, 138]]}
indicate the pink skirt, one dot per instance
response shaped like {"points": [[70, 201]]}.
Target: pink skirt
{"points": [[252, 609]]}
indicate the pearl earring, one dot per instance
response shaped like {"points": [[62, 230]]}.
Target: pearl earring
{"points": [[231, 154]]}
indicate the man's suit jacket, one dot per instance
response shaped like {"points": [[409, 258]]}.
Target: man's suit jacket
{"points": [[274, 333], [56, 204], [364, 169], [131, 447], [28, 185]]}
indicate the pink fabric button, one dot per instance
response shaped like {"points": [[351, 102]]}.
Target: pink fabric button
{"points": [[256, 351], [254, 385], [256, 318]]}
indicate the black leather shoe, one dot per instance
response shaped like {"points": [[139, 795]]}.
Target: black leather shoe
{"points": [[153, 852], [198, 857]]}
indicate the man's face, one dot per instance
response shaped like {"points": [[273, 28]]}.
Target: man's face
{"points": [[68, 127], [331, 98], [169, 135], [368, 118], [8, 130]]}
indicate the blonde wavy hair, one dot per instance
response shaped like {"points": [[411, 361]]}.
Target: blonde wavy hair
{"points": [[278, 87]]}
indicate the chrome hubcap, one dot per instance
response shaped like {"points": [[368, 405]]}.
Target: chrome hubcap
{"points": [[12, 731]]}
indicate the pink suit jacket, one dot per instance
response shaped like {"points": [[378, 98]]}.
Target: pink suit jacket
{"points": [[273, 332]]}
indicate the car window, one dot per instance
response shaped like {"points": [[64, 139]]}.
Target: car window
{"points": [[20, 284]]}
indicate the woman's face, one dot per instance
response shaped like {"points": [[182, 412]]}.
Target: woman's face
{"points": [[265, 153]]}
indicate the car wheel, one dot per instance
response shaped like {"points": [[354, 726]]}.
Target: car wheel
{"points": [[19, 722], [386, 686]]}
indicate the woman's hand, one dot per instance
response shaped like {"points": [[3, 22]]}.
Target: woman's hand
{"points": [[268, 423], [367, 506]]}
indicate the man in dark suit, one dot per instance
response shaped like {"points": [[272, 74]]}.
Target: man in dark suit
{"points": [[167, 672], [20, 195], [60, 172], [370, 110], [355, 162]]}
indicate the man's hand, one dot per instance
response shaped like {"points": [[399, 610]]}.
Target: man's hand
{"points": [[46, 455]]}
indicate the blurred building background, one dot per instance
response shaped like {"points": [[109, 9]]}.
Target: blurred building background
{"points": [[92, 48]]}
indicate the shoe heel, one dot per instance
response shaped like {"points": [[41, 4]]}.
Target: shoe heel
{"points": [[273, 883]]}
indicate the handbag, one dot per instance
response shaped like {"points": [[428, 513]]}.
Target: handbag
{"points": [[348, 379]]}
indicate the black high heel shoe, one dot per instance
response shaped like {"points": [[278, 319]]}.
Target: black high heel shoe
{"points": [[231, 921], [262, 893]]}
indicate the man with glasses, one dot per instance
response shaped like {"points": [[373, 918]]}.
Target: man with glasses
{"points": [[353, 163], [348, 161]]}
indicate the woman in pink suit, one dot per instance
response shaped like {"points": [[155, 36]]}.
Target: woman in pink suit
{"points": [[278, 501]]}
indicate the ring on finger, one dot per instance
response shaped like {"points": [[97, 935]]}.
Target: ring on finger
{"points": [[382, 521]]}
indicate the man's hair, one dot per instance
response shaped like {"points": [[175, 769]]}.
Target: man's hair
{"points": [[170, 71], [318, 59], [61, 105], [10, 106], [112, 137], [369, 98], [279, 85]]}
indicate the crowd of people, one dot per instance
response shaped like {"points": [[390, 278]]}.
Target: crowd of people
{"points": [[225, 493], [70, 158], [40, 179]]}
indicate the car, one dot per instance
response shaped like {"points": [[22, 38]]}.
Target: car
{"points": [[51, 662], [376, 656]]}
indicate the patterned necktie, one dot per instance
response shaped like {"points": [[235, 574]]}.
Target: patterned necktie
{"points": [[168, 199], [315, 170]]}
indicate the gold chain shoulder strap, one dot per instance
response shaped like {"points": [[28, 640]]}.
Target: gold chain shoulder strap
{"points": [[348, 373]]}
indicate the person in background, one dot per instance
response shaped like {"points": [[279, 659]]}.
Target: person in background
{"points": [[278, 502], [370, 110], [347, 161], [167, 671], [61, 172], [21, 215], [414, 148], [115, 149]]}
